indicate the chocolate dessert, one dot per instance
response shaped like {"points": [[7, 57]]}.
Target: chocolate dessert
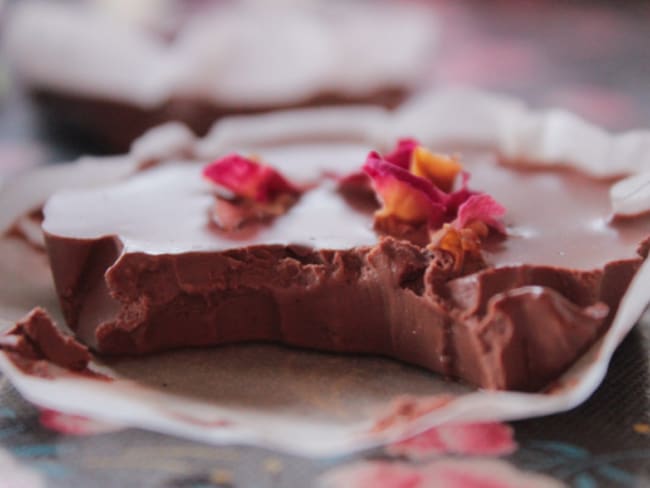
{"points": [[496, 275], [36, 339], [110, 75]]}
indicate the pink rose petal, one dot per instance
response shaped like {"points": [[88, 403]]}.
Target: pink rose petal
{"points": [[403, 194], [399, 156], [416, 199], [458, 197], [483, 208], [408, 192], [402, 153], [248, 178]]}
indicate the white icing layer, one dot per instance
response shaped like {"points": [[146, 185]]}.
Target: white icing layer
{"points": [[27, 192], [176, 193], [167, 210], [521, 135], [235, 55]]}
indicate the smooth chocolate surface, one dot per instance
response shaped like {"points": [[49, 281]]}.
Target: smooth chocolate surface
{"points": [[139, 268]]}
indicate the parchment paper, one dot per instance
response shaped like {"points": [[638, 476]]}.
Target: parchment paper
{"points": [[305, 402]]}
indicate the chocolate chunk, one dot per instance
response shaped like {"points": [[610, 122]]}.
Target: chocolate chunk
{"points": [[37, 337]]}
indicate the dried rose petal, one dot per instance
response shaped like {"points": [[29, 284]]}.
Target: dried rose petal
{"points": [[403, 153], [458, 197], [480, 207], [414, 186], [400, 156], [403, 195], [409, 155], [462, 238], [248, 179], [437, 168], [462, 244]]}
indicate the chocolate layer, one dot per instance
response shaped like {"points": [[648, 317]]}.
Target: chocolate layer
{"points": [[138, 269]]}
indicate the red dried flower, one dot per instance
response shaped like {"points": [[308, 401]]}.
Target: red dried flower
{"points": [[247, 178]]}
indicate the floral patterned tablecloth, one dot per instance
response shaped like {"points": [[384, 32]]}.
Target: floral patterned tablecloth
{"points": [[592, 58]]}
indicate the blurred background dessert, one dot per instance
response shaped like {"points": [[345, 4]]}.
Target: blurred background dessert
{"points": [[111, 69], [103, 71]]}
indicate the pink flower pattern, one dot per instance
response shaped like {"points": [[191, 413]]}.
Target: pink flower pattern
{"points": [[447, 473], [472, 439], [484, 439]]}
